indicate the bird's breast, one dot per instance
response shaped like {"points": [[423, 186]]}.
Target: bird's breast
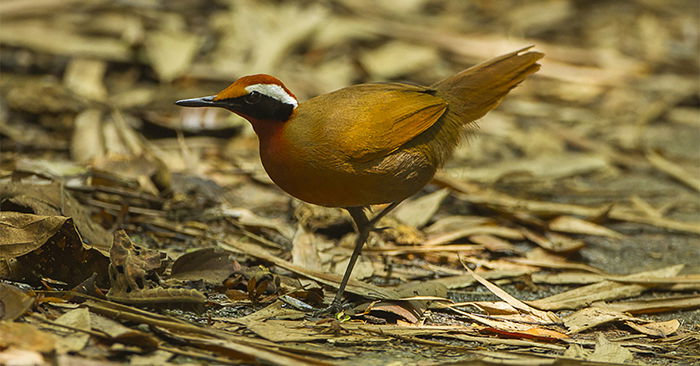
{"points": [[306, 163]]}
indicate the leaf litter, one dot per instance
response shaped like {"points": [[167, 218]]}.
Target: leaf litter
{"points": [[127, 236]]}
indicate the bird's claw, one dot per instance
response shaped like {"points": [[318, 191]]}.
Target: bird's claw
{"points": [[335, 310]]}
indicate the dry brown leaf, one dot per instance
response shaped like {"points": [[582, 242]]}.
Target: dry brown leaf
{"points": [[211, 265], [455, 222], [653, 305], [73, 341], [85, 78], [461, 281], [122, 334], [569, 277], [418, 212], [401, 310], [87, 142], [591, 317], [53, 200], [606, 290], [22, 233], [40, 249], [248, 218], [554, 242], [491, 307], [674, 170], [13, 302], [251, 352], [541, 315], [304, 250], [493, 244], [285, 331], [606, 351], [26, 337], [501, 231], [171, 52], [542, 258], [574, 225], [656, 329]]}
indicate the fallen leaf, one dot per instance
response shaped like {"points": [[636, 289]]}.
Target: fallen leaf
{"points": [[171, 52], [418, 212], [85, 78], [591, 317], [25, 336], [674, 170], [22, 233], [304, 250], [606, 290], [574, 225], [13, 302], [656, 329], [554, 242], [606, 351], [69, 340], [211, 265], [47, 246], [653, 305]]}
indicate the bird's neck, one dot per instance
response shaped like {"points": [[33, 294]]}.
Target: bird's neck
{"points": [[267, 130]]}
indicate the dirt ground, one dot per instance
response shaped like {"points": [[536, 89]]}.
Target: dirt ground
{"points": [[565, 231]]}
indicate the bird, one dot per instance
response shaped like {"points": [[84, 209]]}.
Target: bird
{"points": [[366, 144]]}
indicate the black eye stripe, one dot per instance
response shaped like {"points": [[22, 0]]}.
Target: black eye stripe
{"points": [[252, 98], [259, 106]]}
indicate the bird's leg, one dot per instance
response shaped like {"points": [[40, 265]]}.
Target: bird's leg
{"points": [[363, 226]]}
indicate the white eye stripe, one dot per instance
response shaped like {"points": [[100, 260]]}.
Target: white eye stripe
{"points": [[273, 91]]}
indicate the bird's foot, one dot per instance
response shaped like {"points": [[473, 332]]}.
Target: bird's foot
{"points": [[334, 310]]}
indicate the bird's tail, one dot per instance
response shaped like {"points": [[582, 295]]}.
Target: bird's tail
{"points": [[471, 94], [480, 88]]}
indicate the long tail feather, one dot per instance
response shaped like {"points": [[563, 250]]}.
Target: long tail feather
{"points": [[478, 89]]}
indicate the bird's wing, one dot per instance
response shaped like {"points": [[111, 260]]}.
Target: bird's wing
{"points": [[370, 121]]}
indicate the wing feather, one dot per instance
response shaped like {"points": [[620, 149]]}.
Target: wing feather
{"points": [[377, 119]]}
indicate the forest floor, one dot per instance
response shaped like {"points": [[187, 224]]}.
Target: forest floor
{"points": [[566, 231]]}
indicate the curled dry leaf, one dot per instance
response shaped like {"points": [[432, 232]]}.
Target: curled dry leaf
{"points": [[211, 265], [591, 317], [47, 246], [656, 329], [22, 233]]}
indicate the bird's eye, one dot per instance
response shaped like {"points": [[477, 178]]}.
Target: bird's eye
{"points": [[252, 98]]}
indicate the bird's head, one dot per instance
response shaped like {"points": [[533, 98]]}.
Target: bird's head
{"points": [[256, 98]]}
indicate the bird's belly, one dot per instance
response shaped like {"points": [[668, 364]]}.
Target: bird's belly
{"points": [[328, 182]]}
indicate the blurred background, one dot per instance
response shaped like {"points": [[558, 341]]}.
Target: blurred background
{"points": [[616, 73], [83, 81], [616, 101]]}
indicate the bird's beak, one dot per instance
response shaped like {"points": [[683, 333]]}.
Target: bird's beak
{"points": [[198, 102]]}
